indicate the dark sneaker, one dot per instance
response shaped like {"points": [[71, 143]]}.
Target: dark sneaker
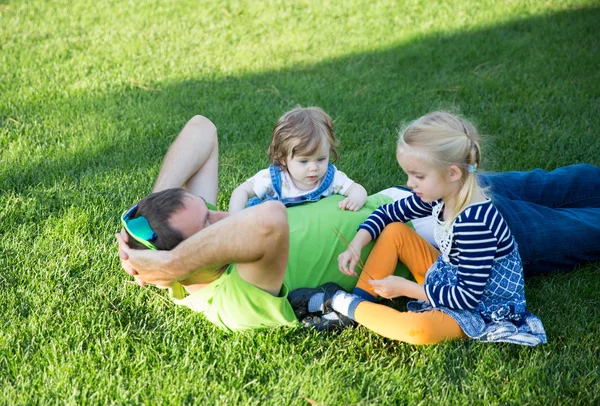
{"points": [[299, 298], [323, 324]]}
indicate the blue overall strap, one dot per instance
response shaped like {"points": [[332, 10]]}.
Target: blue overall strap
{"points": [[312, 196], [275, 172]]}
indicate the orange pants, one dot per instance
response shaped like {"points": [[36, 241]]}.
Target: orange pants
{"points": [[400, 242]]}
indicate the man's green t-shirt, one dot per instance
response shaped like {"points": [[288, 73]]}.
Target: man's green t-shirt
{"points": [[319, 232]]}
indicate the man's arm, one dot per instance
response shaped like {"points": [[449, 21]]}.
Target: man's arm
{"points": [[257, 240]]}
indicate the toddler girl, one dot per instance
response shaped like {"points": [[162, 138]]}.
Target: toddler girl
{"points": [[303, 141]]}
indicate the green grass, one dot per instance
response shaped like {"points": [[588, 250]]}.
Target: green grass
{"points": [[91, 95]]}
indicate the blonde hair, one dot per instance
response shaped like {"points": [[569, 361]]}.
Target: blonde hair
{"points": [[446, 140], [302, 131]]}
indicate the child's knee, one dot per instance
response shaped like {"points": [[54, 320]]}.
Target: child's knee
{"points": [[396, 229]]}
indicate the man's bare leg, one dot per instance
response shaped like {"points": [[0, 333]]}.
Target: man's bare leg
{"points": [[192, 161], [268, 271]]}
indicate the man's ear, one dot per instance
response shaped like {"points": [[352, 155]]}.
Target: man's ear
{"points": [[455, 173]]}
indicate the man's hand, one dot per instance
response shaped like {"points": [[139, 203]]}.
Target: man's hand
{"points": [[394, 286], [123, 240], [146, 266]]}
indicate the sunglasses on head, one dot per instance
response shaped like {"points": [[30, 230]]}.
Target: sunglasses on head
{"points": [[138, 228]]}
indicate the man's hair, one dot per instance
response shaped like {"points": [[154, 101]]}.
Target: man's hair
{"points": [[158, 208], [302, 131]]}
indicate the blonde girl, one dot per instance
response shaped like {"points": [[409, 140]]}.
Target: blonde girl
{"points": [[473, 285], [302, 144]]}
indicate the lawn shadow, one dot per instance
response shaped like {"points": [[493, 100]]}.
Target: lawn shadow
{"points": [[488, 74]]}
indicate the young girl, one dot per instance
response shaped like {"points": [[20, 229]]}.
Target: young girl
{"points": [[303, 140], [473, 286]]}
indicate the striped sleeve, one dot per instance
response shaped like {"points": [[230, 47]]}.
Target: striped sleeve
{"points": [[476, 247], [402, 210]]}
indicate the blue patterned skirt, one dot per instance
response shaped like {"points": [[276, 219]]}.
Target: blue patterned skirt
{"points": [[501, 314]]}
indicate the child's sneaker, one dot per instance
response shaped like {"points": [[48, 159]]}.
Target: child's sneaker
{"points": [[300, 298], [332, 321]]}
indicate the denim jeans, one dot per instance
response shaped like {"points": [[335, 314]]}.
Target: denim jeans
{"points": [[554, 216]]}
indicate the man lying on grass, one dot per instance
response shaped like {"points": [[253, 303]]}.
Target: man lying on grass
{"points": [[244, 264], [238, 269]]}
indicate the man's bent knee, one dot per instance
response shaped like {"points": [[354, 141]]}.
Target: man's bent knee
{"points": [[273, 219], [268, 271], [203, 124]]}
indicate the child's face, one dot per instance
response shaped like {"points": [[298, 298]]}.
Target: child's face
{"points": [[307, 171], [422, 178]]}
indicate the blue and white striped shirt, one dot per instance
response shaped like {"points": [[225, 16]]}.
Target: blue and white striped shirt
{"points": [[480, 236]]}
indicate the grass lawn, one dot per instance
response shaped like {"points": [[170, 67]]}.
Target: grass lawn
{"points": [[93, 92]]}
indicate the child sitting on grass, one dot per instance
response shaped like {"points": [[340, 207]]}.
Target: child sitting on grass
{"points": [[303, 141], [472, 287]]}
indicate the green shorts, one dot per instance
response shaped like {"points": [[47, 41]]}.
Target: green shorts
{"points": [[234, 304]]}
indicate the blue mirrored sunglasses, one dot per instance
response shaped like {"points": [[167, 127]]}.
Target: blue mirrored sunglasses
{"points": [[139, 228]]}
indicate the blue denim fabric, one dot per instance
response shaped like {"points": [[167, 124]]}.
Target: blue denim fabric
{"points": [[314, 196], [554, 216]]}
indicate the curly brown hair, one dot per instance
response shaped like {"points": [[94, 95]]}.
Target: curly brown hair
{"points": [[302, 131]]}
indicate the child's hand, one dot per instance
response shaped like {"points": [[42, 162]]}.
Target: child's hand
{"points": [[394, 286], [347, 261], [355, 199], [389, 287], [350, 204]]}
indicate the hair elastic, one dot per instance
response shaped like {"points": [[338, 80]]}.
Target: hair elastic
{"points": [[472, 168]]}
